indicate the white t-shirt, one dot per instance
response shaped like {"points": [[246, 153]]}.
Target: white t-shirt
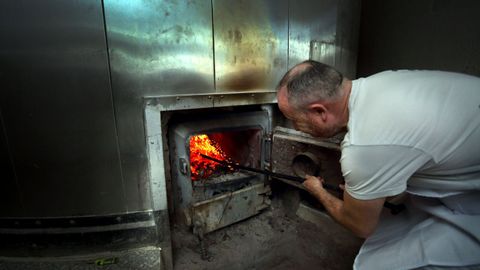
{"points": [[415, 130]]}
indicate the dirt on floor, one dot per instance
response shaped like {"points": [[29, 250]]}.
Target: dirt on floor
{"points": [[270, 240]]}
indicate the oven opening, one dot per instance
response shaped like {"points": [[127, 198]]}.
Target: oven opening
{"points": [[239, 147], [210, 178]]}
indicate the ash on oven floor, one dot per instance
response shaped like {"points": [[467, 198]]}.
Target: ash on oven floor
{"points": [[270, 240]]}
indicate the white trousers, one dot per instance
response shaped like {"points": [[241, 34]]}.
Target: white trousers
{"points": [[430, 232]]}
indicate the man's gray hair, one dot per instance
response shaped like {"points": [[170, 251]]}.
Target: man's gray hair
{"points": [[311, 81]]}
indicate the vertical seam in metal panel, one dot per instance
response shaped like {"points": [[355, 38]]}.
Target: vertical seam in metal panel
{"points": [[213, 48], [113, 106], [288, 34], [10, 156]]}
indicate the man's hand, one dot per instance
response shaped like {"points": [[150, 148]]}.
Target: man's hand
{"points": [[360, 216], [313, 184]]}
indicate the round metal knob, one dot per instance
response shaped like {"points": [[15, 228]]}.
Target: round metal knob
{"points": [[305, 163]]}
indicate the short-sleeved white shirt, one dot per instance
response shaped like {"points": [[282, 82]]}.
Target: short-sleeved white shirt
{"points": [[415, 130]]}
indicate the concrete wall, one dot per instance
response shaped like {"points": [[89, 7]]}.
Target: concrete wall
{"points": [[419, 34]]}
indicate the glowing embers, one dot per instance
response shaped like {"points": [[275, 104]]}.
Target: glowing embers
{"points": [[240, 146], [200, 167]]}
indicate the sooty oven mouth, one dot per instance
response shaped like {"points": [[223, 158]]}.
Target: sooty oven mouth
{"points": [[210, 178], [207, 195]]}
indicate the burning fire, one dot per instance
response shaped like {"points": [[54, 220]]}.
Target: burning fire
{"points": [[201, 167]]}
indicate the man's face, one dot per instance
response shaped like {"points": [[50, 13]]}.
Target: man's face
{"points": [[306, 121]]}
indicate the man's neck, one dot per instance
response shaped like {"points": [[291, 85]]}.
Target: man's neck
{"points": [[339, 106]]}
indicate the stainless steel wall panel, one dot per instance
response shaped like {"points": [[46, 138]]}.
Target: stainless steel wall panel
{"points": [[156, 48], [160, 47], [311, 22], [251, 43], [57, 107]]}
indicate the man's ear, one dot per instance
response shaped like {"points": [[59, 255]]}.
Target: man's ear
{"points": [[318, 110]]}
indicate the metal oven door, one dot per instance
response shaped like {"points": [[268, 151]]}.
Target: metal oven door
{"points": [[297, 154]]}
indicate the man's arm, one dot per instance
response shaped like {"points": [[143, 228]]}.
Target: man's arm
{"points": [[359, 216]]}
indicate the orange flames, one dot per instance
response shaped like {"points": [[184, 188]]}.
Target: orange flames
{"points": [[201, 167]]}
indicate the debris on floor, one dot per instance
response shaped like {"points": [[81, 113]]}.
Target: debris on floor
{"points": [[270, 240]]}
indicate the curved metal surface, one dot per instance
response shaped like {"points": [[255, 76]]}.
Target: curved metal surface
{"points": [[57, 108], [251, 43], [159, 47], [311, 21], [156, 48]]}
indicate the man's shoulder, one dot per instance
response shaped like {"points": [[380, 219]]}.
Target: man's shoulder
{"points": [[422, 75]]}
